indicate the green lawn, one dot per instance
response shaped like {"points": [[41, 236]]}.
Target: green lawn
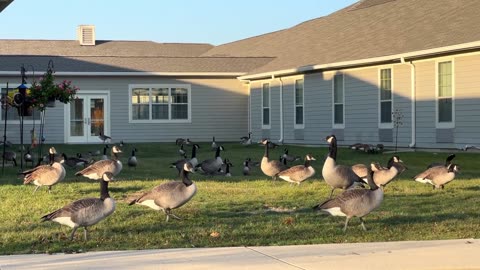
{"points": [[240, 210]]}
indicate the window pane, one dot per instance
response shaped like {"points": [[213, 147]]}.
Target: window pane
{"points": [[299, 92], [179, 111], [338, 89], [385, 84], [140, 96], [179, 95], [299, 115], [266, 95], [445, 110], [160, 111], [266, 116], [140, 112], [159, 95], [386, 112], [338, 117], [445, 79]]}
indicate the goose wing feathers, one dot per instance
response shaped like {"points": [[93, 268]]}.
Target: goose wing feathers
{"points": [[99, 167], [295, 172], [432, 173], [347, 201], [44, 172], [73, 209]]}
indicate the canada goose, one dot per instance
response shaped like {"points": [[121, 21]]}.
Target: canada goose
{"points": [[438, 176], [45, 175], [214, 144], [193, 161], [170, 195], [85, 212], [132, 160], [96, 153], [180, 141], [298, 174], [383, 176], [211, 166], [181, 151], [74, 162], [104, 137], [361, 170], [225, 168], [97, 169], [121, 144], [356, 202], [270, 167], [10, 156], [448, 161], [27, 157], [246, 167], [246, 140], [337, 176], [288, 157], [104, 156]]}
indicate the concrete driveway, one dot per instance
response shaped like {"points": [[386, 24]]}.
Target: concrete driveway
{"points": [[444, 254]]}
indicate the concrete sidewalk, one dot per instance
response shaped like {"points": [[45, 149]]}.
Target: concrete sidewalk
{"points": [[445, 254]]}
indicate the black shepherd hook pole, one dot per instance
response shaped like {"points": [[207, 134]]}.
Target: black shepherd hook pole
{"points": [[22, 89], [50, 70], [5, 107]]}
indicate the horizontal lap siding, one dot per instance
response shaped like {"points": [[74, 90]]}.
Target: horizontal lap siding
{"points": [[425, 104], [402, 98]]}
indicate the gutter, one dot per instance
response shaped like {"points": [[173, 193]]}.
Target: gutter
{"points": [[134, 74], [413, 101], [382, 59]]}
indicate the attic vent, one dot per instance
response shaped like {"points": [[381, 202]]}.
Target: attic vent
{"points": [[86, 35]]}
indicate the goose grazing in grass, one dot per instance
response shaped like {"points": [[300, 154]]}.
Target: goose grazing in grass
{"points": [[288, 157], [298, 174], [337, 176], [270, 167], [448, 161], [246, 140], [438, 176], [27, 157], [357, 202], [74, 162], [381, 175], [180, 141], [132, 160], [211, 166], [170, 195], [214, 144], [104, 137], [246, 167], [97, 169], [193, 161], [45, 175], [85, 212], [10, 156]]}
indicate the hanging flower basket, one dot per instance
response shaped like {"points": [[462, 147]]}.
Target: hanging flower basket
{"points": [[51, 102]]}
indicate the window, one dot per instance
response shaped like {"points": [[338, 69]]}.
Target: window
{"points": [[12, 113], [299, 116], [338, 101], [386, 98], [445, 105], [266, 105], [160, 103]]}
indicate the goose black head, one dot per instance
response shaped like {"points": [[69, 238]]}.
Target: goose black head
{"points": [[107, 177], [309, 157], [453, 168], [188, 167], [331, 138]]}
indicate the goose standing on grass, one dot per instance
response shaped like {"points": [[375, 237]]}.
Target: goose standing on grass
{"points": [[448, 161], [104, 156], [85, 212], [170, 195], [132, 160], [193, 161], [99, 168], [74, 162], [27, 157], [288, 157], [337, 176], [270, 167], [211, 166], [181, 151], [45, 175], [246, 167], [10, 156], [104, 137], [438, 176], [356, 202], [381, 175], [298, 174], [225, 168], [214, 144]]}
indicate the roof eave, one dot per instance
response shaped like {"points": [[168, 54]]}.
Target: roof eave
{"points": [[364, 62], [136, 74]]}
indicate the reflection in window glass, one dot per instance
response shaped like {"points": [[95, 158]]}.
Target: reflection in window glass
{"points": [[160, 103]]}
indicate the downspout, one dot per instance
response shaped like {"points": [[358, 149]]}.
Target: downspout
{"points": [[413, 100], [249, 107], [281, 110]]}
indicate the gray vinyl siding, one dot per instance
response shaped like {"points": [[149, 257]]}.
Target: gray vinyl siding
{"points": [[402, 92], [219, 108], [425, 104]]}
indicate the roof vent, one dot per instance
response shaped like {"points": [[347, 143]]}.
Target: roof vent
{"points": [[86, 35]]}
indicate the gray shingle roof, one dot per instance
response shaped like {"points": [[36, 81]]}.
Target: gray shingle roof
{"points": [[367, 29]]}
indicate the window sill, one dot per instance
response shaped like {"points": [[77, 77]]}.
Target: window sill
{"points": [[338, 126], [445, 125], [159, 121], [266, 127], [385, 125], [299, 126]]}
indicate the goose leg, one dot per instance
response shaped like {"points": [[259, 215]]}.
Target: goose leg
{"points": [[331, 193], [363, 224], [49, 189], [85, 232], [346, 224], [36, 189], [73, 233], [169, 213]]}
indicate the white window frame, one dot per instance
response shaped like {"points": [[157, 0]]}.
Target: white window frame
{"points": [[437, 123], [380, 124], [130, 113], [295, 125], [334, 125], [269, 105], [14, 110]]}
